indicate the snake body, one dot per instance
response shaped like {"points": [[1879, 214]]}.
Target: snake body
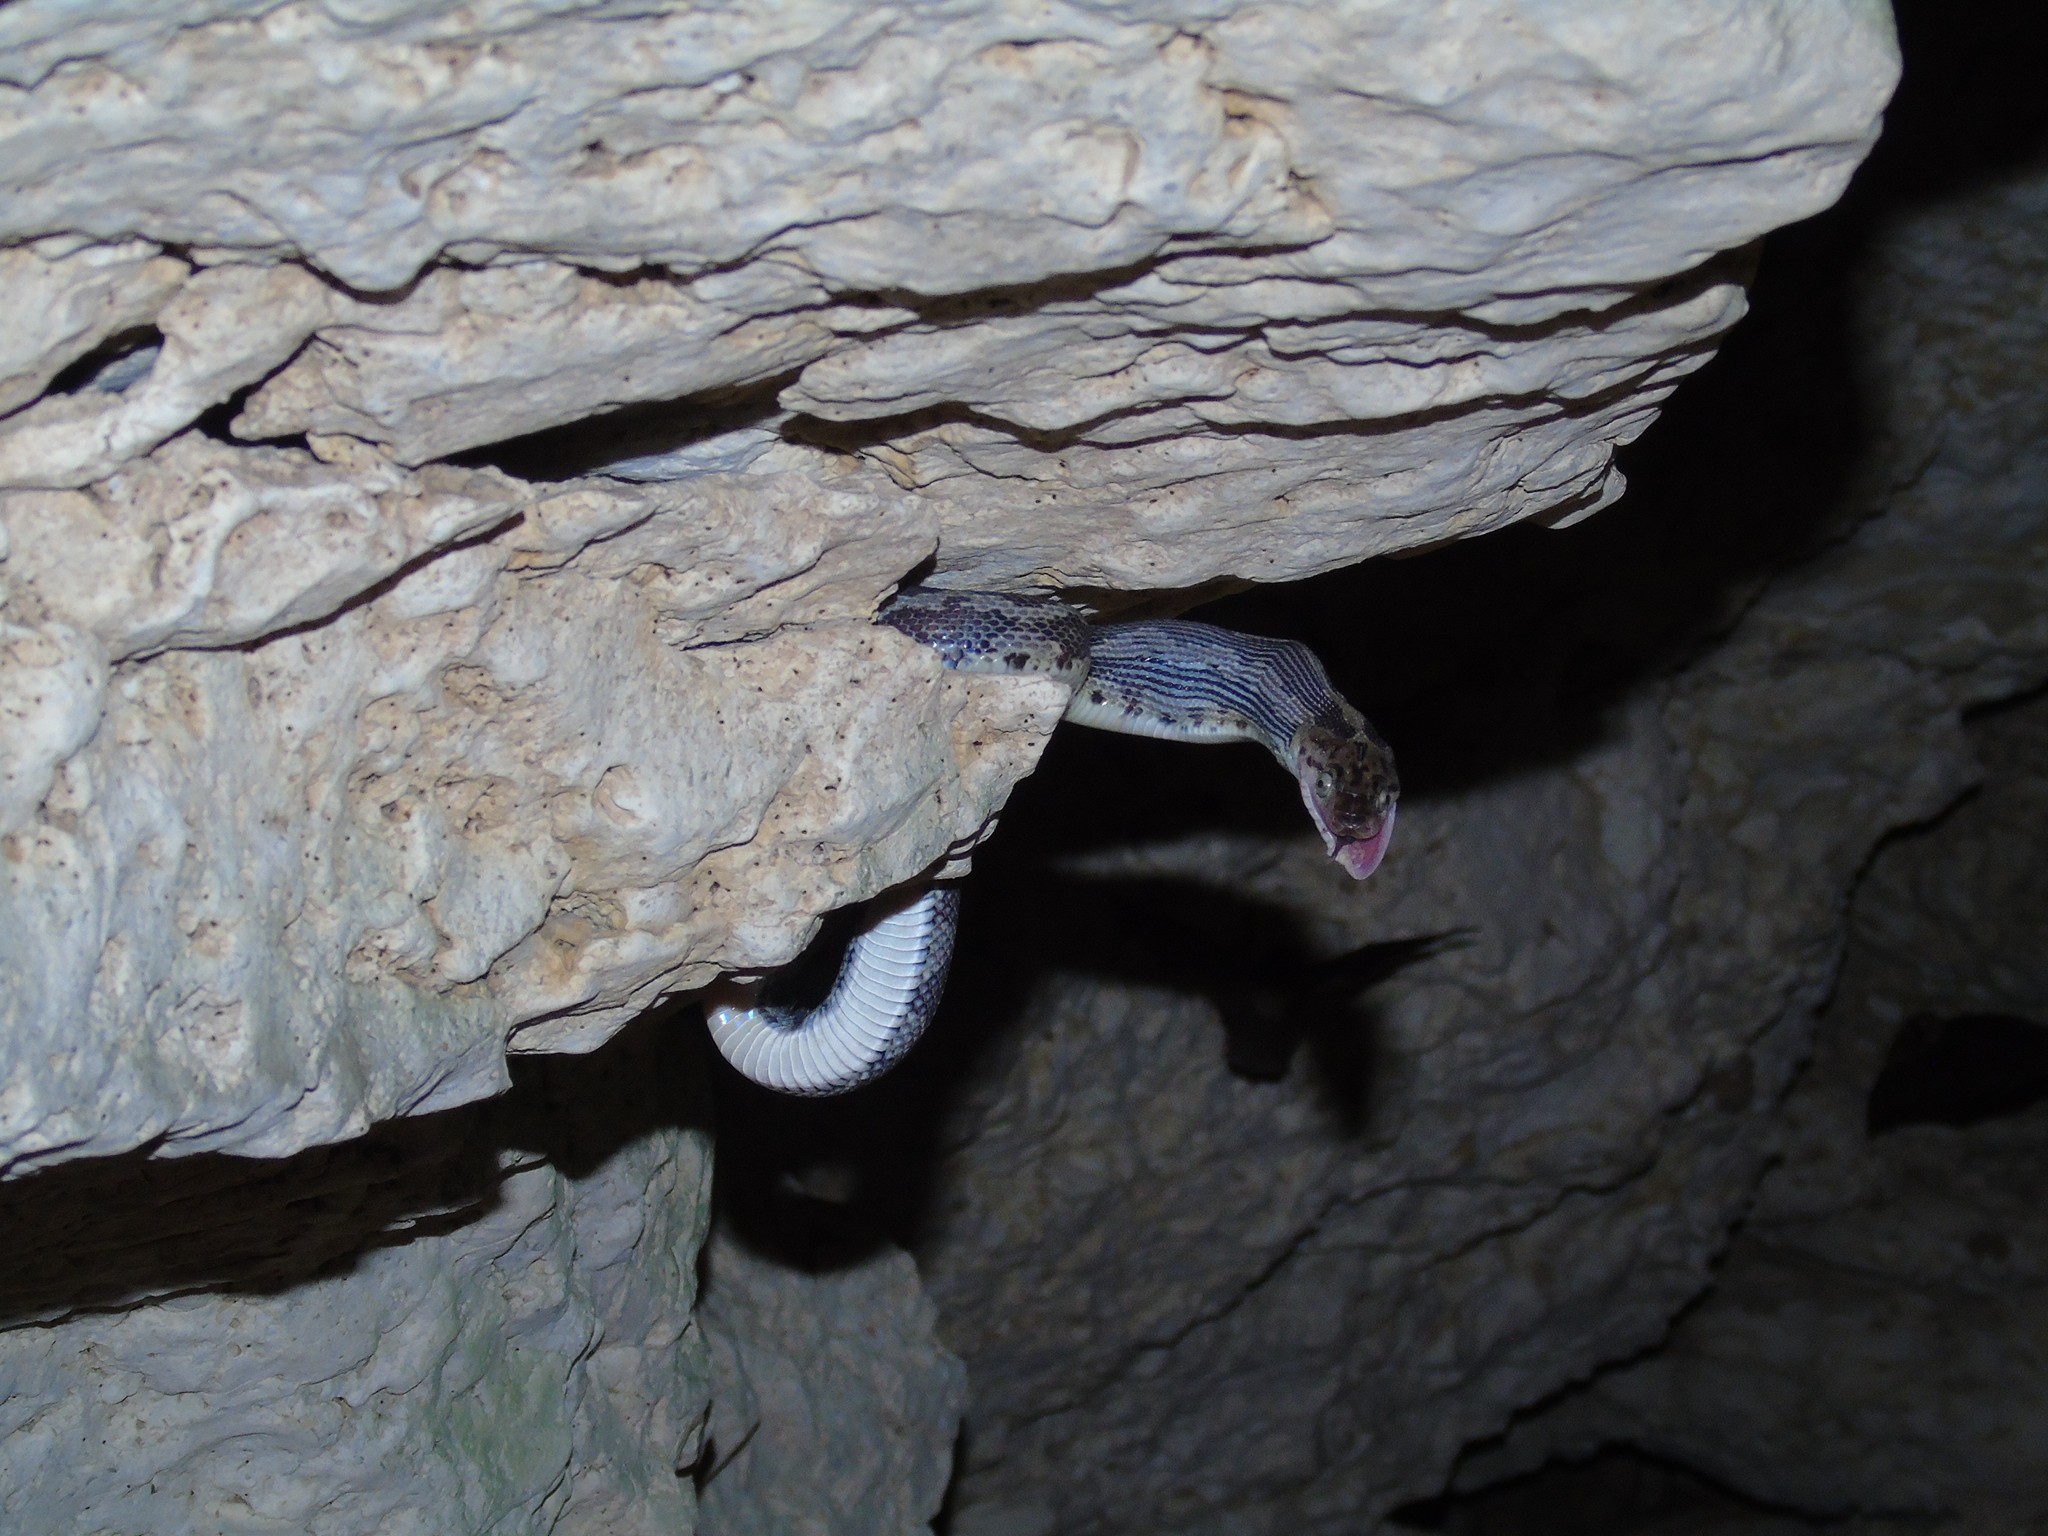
{"points": [[1169, 678]]}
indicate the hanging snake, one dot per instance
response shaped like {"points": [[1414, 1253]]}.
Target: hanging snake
{"points": [[1169, 678]]}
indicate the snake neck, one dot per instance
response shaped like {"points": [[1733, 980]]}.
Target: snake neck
{"points": [[1185, 681], [1180, 680], [995, 633]]}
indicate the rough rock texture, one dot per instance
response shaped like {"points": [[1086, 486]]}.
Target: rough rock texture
{"points": [[1228, 1247], [472, 1321], [1583, 1098], [1566, 1113], [1873, 1339], [834, 1405], [330, 767], [277, 870]]}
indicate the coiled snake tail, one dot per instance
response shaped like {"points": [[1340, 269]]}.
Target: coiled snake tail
{"points": [[888, 989]]}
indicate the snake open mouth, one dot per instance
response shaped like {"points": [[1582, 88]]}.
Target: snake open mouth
{"points": [[1362, 855]]}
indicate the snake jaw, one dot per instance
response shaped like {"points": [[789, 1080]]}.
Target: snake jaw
{"points": [[1350, 787], [1360, 856]]}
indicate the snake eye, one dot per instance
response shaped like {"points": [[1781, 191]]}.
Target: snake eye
{"points": [[1326, 785]]}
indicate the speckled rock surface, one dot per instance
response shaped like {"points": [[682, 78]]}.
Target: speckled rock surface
{"points": [[264, 893], [331, 766]]}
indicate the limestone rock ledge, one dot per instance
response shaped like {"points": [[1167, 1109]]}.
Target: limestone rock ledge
{"points": [[331, 766]]}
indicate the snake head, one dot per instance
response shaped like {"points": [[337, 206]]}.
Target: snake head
{"points": [[1350, 787]]}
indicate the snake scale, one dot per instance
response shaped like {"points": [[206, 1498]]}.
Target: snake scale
{"points": [[1169, 678]]}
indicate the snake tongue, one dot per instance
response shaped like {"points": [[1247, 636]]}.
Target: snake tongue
{"points": [[1361, 855]]}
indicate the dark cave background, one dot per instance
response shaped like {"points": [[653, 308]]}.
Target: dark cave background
{"points": [[1476, 660]]}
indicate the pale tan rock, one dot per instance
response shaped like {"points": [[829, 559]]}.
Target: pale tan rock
{"points": [[227, 326], [66, 297], [1226, 258], [432, 806], [50, 682], [468, 358], [671, 140], [203, 545]]}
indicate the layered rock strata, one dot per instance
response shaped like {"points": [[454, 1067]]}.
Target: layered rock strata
{"points": [[331, 766]]}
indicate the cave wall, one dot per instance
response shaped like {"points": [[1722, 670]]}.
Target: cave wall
{"points": [[1256, 1202], [1870, 1348], [449, 459], [1871, 1345], [473, 1320], [834, 1406], [1519, 1157]]}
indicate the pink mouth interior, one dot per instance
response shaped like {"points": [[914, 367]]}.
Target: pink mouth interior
{"points": [[1362, 856]]}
